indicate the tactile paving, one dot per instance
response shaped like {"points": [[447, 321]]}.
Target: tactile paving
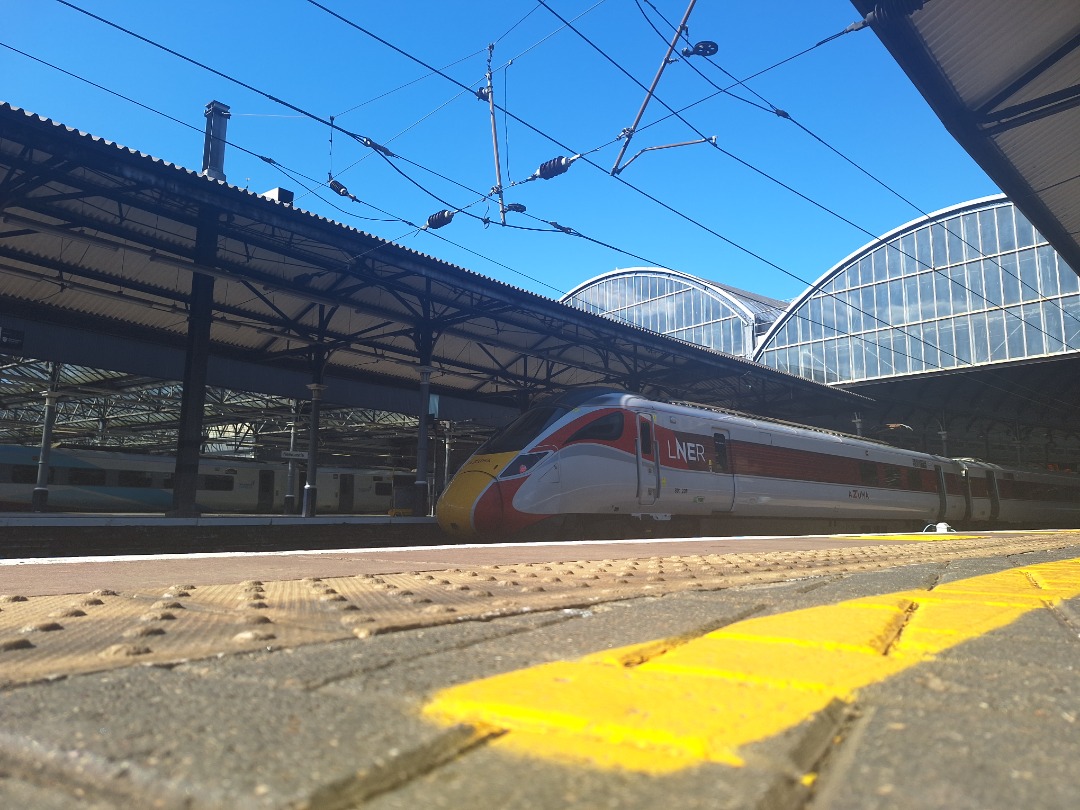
{"points": [[53, 636]]}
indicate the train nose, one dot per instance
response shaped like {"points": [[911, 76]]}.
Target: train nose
{"points": [[455, 508], [472, 504]]}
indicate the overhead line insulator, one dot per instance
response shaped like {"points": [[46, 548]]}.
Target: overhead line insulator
{"points": [[439, 219], [555, 167]]}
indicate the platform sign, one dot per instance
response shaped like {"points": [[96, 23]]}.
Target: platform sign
{"points": [[11, 338], [294, 454]]}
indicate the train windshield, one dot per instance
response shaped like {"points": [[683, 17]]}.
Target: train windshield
{"points": [[523, 430]]}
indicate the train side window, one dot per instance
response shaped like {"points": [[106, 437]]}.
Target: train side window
{"points": [[134, 478], [24, 474], [216, 483], [868, 473], [914, 479], [86, 477], [607, 428], [384, 489], [720, 462], [892, 476]]}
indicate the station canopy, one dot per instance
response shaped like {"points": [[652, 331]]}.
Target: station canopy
{"points": [[99, 246], [1004, 78]]}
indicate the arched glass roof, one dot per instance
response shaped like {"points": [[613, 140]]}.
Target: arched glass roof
{"points": [[971, 285], [679, 305]]}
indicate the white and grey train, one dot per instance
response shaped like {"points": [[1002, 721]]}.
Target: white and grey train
{"points": [[97, 481], [592, 462]]}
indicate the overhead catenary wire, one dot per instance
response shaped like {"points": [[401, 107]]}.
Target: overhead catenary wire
{"points": [[361, 139], [768, 106], [307, 183], [338, 188], [755, 169], [415, 228], [541, 173], [292, 174], [435, 72], [387, 153], [378, 148]]}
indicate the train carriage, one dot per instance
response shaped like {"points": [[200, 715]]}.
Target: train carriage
{"points": [[99, 481], [593, 460]]}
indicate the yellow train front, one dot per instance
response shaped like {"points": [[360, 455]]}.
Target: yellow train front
{"points": [[514, 480], [589, 459]]}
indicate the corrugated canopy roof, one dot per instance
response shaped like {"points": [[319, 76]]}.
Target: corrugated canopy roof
{"points": [[1004, 77], [99, 244]]}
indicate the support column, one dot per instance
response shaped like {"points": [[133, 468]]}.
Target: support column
{"points": [[200, 318], [420, 498], [448, 437], [40, 497], [311, 488], [290, 481], [193, 397]]}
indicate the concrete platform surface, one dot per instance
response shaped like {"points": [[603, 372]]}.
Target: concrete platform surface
{"points": [[942, 674]]}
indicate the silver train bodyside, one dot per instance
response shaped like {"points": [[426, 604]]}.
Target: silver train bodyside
{"points": [[591, 465], [99, 481]]}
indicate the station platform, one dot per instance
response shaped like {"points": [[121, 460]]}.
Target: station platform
{"points": [[840, 672], [30, 534]]}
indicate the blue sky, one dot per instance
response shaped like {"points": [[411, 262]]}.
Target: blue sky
{"points": [[719, 211]]}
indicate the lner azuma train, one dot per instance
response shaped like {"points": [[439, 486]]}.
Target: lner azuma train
{"points": [[597, 464], [100, 481]]}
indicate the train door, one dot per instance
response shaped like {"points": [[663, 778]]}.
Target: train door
{"points": [[346, 491], [723, 478], [995, 494], [943, 495], [266, 491], [648, 462]]}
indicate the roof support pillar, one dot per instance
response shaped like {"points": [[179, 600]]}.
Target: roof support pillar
{"points": [[290, 484], [193, 397], [40, 497], [420, 502], [311, 483], [196, 358], [425, 344]]}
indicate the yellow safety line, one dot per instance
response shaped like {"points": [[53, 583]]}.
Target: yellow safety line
{"points": [[920, 537], [658, 707]]}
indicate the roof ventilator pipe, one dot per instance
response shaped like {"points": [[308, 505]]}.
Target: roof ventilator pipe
{"points": [[217, 122]]}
